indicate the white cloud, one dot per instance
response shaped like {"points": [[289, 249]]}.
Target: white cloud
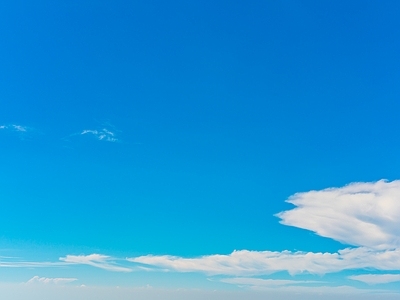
{"points": [[28, 264], [359, 214], [102, 134], [16, 128], [249, 263], [376, 278], [342, 214], [19, 128], [37, 279], [96, 260]]}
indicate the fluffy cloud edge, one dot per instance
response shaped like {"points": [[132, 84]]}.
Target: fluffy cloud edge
{"points": [[359, 197], [253, 263], [362, 214]]}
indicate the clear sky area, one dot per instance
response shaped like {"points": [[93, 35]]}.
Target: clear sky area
{"points": [[200, 149]]}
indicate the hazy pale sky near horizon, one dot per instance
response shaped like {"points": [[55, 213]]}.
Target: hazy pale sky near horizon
{"points": [[199, 146]]}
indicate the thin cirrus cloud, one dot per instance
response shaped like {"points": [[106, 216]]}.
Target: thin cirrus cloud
{"points": [[45, 280], [101, 134], [95, 260], [14, 127], [376, 278], [13, 263], [21, 131]]}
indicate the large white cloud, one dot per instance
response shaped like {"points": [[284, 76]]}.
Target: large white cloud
{"points": [[366, 215], [359, 214], [248, 263]]}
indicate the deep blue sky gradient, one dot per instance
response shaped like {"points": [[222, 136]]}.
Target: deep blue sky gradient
{"points": [[223, 110]]}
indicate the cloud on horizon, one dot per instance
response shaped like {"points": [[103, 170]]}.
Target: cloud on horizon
{"points": [[376, 278], [45, 280], [251, 263], [359, 214], [356, 208]]}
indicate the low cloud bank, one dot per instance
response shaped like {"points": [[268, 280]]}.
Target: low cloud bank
{"points": [[365, 215], [250, 263], [46, 280], [376, 278]]}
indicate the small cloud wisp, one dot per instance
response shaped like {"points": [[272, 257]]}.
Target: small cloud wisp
{"points": [[101, 135], [45, 280], [376, 278], [95, 260]]}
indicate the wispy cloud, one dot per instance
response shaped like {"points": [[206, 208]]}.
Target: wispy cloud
{"points": [[95, 260], [106, 132], [14, 127], [376, 278], [45, 280], [13, 263], [22, 131], [19, 128], [103, 134], [359, 214]]}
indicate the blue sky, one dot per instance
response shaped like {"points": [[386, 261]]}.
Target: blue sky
{"points": [[200, 146]]}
